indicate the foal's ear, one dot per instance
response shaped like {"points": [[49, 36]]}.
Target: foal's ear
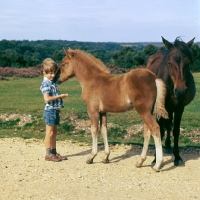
{"points": [[168, 45], [71, 53], [190, 43], [65, 50]]}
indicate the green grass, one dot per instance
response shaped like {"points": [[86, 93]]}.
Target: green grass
{"points": [[23, 96]]}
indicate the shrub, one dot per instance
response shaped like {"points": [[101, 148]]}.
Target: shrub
{"points": [[19, 72]]}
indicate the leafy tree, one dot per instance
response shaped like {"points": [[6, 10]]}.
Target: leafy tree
{"points": [[150, 49], [20, 54], [196, 52], [128, 58]]}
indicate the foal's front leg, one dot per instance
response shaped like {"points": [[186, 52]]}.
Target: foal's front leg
{"points": [[103, 128], [94, 131]]}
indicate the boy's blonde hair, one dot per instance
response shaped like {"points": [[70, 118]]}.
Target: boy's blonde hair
{"points": [[48, 65]]}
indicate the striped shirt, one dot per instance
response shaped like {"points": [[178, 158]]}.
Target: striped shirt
{"points": [[49, 87]]}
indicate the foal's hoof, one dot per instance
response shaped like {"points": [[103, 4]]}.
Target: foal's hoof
{"points": [[140, 162], [155, 169], [106, 160], [89, 161]]}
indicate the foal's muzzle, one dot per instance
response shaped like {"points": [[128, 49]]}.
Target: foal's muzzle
{"points": [[58, 81]]}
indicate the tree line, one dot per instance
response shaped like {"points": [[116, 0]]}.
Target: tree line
{"points": [[25, 54]]}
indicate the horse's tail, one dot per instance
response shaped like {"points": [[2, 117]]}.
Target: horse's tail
{"points": [[159, 107]]}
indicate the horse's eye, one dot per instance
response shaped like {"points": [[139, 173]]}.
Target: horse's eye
{"points": [[186, 60], [63, 64]]}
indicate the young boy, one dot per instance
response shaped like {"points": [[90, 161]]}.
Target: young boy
{"points": [[54, 103]]}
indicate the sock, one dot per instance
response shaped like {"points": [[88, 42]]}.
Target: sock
{"points": [[48, 152], [53, 151]]}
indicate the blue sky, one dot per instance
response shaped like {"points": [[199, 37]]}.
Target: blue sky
{"points": [[100, 21]]}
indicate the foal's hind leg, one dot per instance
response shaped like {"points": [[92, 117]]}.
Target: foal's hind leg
{"points": [[145, 146], [161, 123], [103, 127], [94, 130], [155, 132], [159, 153]]}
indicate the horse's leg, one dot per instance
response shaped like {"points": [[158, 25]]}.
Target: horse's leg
{"points": [[94, 118], [155, 132], [147, 135], [159, 152], [161, 122], [176, 133], [103, 127], [168, 148]]}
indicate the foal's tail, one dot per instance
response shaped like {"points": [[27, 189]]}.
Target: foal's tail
{"points": [[159, 107]]}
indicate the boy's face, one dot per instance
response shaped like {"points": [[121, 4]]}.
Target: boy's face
{"points": [[49, 75]]}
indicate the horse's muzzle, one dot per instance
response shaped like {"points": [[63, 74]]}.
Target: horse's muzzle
{"points": [[180, 94], [58, 82]]}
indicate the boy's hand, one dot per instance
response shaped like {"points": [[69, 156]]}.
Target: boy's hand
{"points": [[62, 96]]}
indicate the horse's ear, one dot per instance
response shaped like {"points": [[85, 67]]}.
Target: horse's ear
{"points": [[71, 53], [190, 43], [65, 50], [167, 44]]}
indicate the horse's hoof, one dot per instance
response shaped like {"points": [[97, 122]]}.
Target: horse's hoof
{"points": [[138, 165], [89, 161], [155, 169], [140, 162], [168, 150], [105, 161], [179, 162]]}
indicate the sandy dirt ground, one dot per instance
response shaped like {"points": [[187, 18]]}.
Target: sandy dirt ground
{"points": [[26, 175]]}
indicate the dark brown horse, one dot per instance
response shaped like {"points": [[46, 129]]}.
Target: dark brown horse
{"points": [[172, 66], [102, 93]]}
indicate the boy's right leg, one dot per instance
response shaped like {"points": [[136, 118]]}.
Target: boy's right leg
{"points": [[48, 142]]}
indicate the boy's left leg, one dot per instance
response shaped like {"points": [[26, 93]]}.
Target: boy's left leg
{"points": [[53, 144]]}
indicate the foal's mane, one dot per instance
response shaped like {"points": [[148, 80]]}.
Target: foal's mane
{"points": [[183, 48], [95, 62]]}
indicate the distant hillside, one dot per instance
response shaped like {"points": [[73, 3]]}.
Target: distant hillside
{"points": [[25, 53]]}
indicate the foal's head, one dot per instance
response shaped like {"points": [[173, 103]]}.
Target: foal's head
{"points": [[66, 69], [179, 58]]}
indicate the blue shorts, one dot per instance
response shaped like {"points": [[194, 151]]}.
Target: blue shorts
{"points": [[51, 117]]}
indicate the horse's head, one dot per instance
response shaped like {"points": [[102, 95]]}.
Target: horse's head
{"points": [[179, 58], [57, 75], [66, 69]]}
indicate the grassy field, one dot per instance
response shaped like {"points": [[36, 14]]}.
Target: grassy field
{"points": [[23, 96]]}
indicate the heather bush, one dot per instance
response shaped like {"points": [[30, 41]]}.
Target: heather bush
{"points": [[34, 72], [19, 72]]}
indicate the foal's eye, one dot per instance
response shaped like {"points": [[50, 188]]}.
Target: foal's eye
{"points": [[63, 64]]}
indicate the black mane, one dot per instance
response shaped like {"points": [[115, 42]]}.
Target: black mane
{"points": [[183, 48]]}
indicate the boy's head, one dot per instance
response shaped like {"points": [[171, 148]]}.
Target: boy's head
{"points": [[49, 66]]}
